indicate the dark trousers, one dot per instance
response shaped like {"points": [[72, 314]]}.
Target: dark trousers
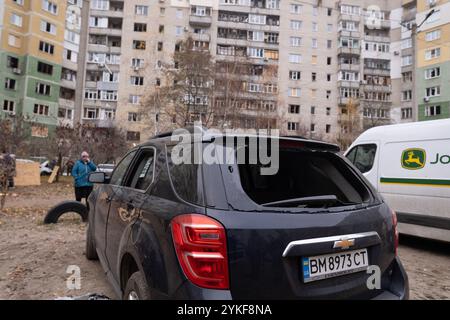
{"points": [[82, 192]]}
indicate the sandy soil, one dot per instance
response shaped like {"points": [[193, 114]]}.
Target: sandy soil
{"points": [[34, 257], [428, 266]]}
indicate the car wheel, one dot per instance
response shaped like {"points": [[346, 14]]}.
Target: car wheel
{"points": [[136, 288], [91, 252]]}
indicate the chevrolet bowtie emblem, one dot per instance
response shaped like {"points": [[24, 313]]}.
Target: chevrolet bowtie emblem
{"points": [[344, 243]]}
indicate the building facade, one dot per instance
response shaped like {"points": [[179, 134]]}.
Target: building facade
{"points": [[433, 60], [303, 64], [403, 57], [39, 39], [304, 60]]}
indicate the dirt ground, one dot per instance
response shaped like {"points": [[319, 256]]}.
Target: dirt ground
{"points": [[34, 257]]}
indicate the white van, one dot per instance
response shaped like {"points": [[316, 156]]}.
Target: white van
{"points": [[409, 164]]}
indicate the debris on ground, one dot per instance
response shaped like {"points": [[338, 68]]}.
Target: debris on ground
{"points": [[89, 296]]}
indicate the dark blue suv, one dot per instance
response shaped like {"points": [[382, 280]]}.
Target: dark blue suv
{"points": [[315, 229]]}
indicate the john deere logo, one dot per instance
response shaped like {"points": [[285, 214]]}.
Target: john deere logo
{"points": [[413, 159]]}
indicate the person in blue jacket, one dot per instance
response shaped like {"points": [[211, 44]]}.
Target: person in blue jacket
{"points": [[80, 174]]}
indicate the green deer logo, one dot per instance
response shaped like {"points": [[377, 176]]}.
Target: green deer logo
{"points": [[413, 159]]}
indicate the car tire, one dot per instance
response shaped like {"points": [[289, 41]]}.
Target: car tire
{"points": [[91, 251], [136, 288], [64, 207]]}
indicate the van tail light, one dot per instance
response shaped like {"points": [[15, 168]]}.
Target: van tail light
{"points": [[201, 248], [395, 229]]}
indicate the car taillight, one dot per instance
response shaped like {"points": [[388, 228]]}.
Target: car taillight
{"points": [[201, 247], [395, 229]]}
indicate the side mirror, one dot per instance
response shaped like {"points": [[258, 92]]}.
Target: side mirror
{"points": [[97, 177]]}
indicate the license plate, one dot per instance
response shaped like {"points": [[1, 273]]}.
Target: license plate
{"points": [[333, 265]]}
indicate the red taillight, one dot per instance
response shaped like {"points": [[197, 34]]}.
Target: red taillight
{"points": [[201, 247], [395, 229]]}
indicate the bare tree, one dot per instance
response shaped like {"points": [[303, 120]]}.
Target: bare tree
{"points": [[14, 134], [228, 92], [376, 113], [235, 105], [185, 94], [350, 121], [7, 171]]}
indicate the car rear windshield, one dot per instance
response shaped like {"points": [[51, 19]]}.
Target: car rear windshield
{"points": [[305, 179]]}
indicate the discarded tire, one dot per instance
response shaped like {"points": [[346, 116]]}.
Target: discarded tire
{"points": [[64, 207]]}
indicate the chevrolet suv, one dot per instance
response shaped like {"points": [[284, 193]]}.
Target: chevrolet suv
{"points": [[312, 229]]}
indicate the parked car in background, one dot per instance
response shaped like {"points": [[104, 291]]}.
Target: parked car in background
{"points": [[106, 168], [409, 164], [225, 231], [46, 170]]}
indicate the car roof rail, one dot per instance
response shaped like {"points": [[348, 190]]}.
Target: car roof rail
{"points": [[295, 137], [190, 129]]}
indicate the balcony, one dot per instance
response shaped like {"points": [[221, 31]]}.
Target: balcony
{"points": [[68, 84], [348, 84], [246, 26], [377, 39], [65, 103], [376, 88], [201, 37], [409, 15], [377, 72], [102, 48], [107, 13], [407, 52], [349, 67], [108, 86], [377, 101], [70, 65], [106, 31], [349, 51], [204, 21], [349, 17], [348, 100], [385, 24], [348, 33], [91, 66]]}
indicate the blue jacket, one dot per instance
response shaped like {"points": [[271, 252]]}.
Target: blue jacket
{"points": [[80, 173]]}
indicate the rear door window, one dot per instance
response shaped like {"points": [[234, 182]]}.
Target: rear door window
{"points": [[141, 176], [363, 156]]}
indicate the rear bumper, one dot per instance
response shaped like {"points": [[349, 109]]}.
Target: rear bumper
{"points": [[397, 289], [399, 285], [189, 291]]}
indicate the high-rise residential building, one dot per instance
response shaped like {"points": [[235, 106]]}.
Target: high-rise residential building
{"points": [[433, 60], [105, 45], [38, 60], [403, 49], [303, 61], [73, 61]]}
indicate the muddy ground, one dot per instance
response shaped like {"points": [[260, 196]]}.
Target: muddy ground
{"points": [[34, 257]]}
